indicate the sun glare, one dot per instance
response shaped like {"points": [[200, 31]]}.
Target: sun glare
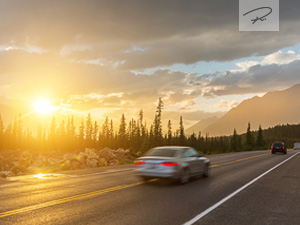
{"points": [[40, 176], [43, 106]]}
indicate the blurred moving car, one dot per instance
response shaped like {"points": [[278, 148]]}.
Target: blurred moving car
{"points": [[296, 146], [174, 162], [278, 147]]}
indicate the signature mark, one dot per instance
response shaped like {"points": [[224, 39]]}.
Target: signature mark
{"points": [[263, 18]]}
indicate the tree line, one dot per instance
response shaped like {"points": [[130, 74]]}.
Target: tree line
{"points": [[135, 135]]}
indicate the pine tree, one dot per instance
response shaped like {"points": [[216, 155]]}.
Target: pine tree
{"points": [[181, 132], [234, 141], [52, 132], [249, 139], [260, 139], [122, 132], [105, 128], [20, 128], [88, 129], [157, 124], [72, 127], [95, 132], [169, 135], [142, 127], [111, 130], [68, 128], [15, 130], [62, 130], [81, 133], [7, 137]]}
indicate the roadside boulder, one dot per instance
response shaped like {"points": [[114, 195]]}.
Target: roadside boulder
{"points": [[69, 156], [102, 162], [25, 160], [5, 174], [91, 163], [107, 154], [65, 165], [75, 165], [91, 153]]}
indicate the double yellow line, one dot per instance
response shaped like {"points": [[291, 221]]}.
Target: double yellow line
{"points": [[81, 196]]}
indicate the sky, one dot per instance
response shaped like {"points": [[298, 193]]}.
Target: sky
{"points": [[108, 57]]}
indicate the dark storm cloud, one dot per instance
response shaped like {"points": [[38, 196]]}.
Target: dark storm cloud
{"points": [[169, 32]]}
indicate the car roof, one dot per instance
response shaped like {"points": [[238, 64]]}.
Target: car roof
{"points": [[172, 147]]}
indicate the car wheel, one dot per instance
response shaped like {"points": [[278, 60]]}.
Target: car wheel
{"points": [[184, 176], [206, 170], [273, 152], [285, 152]]}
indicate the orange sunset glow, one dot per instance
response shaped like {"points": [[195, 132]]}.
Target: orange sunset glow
{"points": [[149, 112]]}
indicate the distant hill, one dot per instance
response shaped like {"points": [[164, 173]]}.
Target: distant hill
{"points": [[200, 126], [277, 107]]}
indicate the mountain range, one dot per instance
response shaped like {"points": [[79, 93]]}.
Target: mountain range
{"points": [[274, 108]]}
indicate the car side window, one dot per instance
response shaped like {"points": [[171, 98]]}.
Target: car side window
{"points": [[189, 153]]}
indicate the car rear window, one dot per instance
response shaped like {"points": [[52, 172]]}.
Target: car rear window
{"points": [[277, 145], [162, 152]]}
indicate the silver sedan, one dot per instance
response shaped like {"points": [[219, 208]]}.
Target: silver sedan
{"points": [[174, 162]]}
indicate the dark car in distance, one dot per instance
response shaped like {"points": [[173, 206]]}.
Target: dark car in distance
{"points": [[278, 147]]}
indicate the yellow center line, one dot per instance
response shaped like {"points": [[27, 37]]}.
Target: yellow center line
{"points": [[89, 194], [238, 160], [68, 199]]}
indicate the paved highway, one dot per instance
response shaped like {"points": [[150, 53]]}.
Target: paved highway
{"points": [[244, 188]]}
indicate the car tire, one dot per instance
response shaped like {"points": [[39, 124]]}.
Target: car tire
{"points": [[184, 176], [285, 152], [273, 152], [206, 171]]}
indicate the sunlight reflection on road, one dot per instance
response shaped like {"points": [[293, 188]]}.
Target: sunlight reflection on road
{"points": [[41, 176]]}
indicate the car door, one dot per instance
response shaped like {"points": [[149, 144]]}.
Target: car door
{"points": [[191, 158], [198, 161]]}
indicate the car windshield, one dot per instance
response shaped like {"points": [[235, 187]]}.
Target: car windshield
{"points": [[164, 152]]}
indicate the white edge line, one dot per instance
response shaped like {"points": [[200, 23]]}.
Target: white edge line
{"points": [[207, 211]]}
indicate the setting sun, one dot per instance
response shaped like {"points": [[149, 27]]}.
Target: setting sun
{"points": [[43, 106]]}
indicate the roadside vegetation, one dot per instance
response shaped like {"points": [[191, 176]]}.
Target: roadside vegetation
{"points": [[135, 135]]}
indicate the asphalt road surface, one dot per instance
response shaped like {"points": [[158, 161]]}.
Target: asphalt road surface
{"points": [[244, 188]]}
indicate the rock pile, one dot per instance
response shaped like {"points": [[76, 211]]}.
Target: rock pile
{"points": [[14, 163]]}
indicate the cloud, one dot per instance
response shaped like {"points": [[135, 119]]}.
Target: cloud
{"points": [[281, 58], [278, 57], [226, 104], [139, 34], [257, 79], [34, 74], [83, 52]]}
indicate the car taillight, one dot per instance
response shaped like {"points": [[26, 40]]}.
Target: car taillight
{"points": [[272, 147], [169, 164], [139, 162], [282, 147]]}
